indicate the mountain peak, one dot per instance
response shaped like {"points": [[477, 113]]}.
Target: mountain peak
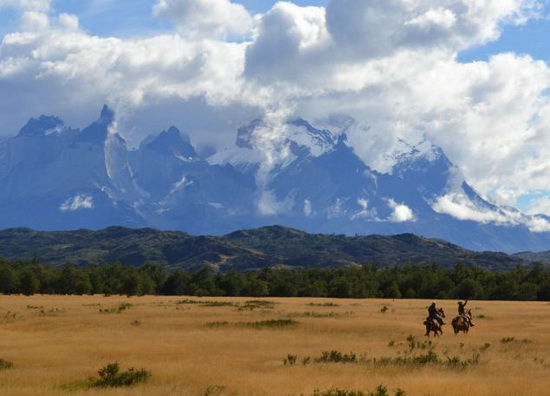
{"points": [[172, 141], [107, 115], [245, 134], [97, 132], [43, 125]]}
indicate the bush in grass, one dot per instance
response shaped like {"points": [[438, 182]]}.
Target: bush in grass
{"points": [[4, 364], [337, 357], [111, 376], [290, 360], [273, 323], [381, 390]]}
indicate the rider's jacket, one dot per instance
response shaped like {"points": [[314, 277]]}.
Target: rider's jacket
{"points": [[432, 310]]}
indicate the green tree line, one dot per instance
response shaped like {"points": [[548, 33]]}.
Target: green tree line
{"points": [[412, 281]]}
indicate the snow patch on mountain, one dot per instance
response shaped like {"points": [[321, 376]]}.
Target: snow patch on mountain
{"points": [[77, 202], [285, 144], [317, 141]]}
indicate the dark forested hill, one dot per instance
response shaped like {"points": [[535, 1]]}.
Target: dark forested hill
{"points": [[542, 257], [240, 250]]}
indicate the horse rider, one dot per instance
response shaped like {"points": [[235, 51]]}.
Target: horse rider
{"points": [[433, 313], [462, 312]]}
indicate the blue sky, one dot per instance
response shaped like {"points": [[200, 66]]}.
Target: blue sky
{"points": [[472, 77]]}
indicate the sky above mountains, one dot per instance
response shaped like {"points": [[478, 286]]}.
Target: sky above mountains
{"points": [[472, 76]]}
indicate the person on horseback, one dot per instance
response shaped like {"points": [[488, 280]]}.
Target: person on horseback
{"points": [[462, 312], [433, 313]]}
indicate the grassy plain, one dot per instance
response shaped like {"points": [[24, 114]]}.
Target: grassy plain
{"points": [[56, 343]]}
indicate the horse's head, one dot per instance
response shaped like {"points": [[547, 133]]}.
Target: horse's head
{"points": [[441, 312]]}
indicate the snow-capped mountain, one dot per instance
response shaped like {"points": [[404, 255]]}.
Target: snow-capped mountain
{"points": [[56, 177]]}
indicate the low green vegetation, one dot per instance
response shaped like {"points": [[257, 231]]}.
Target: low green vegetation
{"points": [[261, 324], [4, 364], [381, 390], [271, 323], [111, 376], [335, 356], [116, 310], [417, 354], [512, 340]]}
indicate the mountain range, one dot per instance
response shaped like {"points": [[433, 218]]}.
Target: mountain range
{"points": [[54, 177]]}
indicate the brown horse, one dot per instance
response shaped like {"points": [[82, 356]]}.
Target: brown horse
{"points": [[432, 324], [461, 323]]}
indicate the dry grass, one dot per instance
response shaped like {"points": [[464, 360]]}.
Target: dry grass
{"points": [[219, 349]]}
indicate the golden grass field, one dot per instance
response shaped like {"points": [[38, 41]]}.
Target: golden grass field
{"points": [[58, 342]]}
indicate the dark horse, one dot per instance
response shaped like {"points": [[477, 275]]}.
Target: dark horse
{"points": [[462, 323], [432, 324]]}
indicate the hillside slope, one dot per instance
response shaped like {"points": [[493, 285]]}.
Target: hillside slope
{"points": [[241, 250]]}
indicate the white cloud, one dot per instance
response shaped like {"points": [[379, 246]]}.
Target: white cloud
{"points": [[364, 211], [460, 207], [540, 205], [68, 21], [336, 210], [182, 184], [32, 20], [206, 18], [401, 212], [78, 202], [291, 41], [269, 205], [308, 209], [34, 5]]}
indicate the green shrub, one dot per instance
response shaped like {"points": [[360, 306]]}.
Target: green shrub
{"points": [[381, 390], [217, 304], [214, 390], [253, 304], [111, 376], [120, 308], [485, 347], [218, 324], [290, 360], [273, 323], [4, 364], [328, 304], [337, 392], [512, 340], [336, 357]]}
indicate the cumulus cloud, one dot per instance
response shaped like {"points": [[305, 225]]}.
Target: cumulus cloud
{"points": [[269, 205], [35, 5], [206, 18], [540, 205], [290, 41], [78, 202], [401, 212], [459, 206], [32, 20]]}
